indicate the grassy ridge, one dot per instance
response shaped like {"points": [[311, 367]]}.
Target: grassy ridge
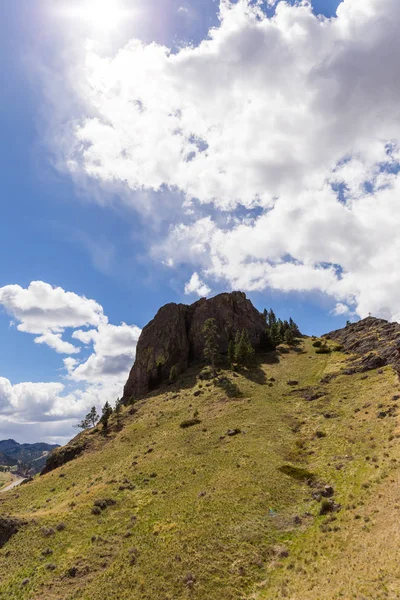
{"points": [[201, 514]]}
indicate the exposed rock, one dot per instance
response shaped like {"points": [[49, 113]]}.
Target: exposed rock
{"points": [[65, 454], [174, 337], [377, 342], [9, 527], [232, 432]]}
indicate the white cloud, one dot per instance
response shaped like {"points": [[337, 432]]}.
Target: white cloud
{"points": [[295, 115], [54, 340], [113, 356], [196, 286], [92, 381], [46, 310], [340, 309]]}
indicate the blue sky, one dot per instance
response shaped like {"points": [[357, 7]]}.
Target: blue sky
{"points": [[133, 227]]}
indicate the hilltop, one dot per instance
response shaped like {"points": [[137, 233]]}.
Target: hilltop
{"points": [[274, 481]]}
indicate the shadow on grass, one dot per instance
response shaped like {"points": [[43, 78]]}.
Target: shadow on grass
{"points": [[230, 388]]}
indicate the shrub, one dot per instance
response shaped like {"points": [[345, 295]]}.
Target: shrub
{"points": [[189, 423], [317, 344], [47, 531], [323, 349], [104, 503]]}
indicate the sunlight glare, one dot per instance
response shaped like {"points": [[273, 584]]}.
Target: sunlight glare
{"points": [[100, 14]]}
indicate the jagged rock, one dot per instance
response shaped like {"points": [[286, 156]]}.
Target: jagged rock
{"points": [[175, 337], [377, 342]]}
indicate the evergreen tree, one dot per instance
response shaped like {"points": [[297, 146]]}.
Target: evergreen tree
{"points": [[231, 352], [265, 314], [275, 334], [271, 318], [289, 337], [294, 328], [211, 351], [244, 351], [105, 415], [118, 410], [173, 374], [90, 420], [266, 344], [93, 416]]}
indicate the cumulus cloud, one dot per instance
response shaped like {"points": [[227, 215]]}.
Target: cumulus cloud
{"points": [[43, 309], [196, 286], [286, 129], [113, 356], [54, 341], [90, 381]]}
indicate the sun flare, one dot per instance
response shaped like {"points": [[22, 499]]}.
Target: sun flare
{"points": [[99, 14]]}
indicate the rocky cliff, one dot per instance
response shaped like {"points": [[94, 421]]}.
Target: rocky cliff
{"points": [[376, 341], [174, 337]]}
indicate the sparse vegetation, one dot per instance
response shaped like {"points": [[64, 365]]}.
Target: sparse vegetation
{"points": [[228, 515]]}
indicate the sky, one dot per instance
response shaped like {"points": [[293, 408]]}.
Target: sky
{"points": [[158, 151]]}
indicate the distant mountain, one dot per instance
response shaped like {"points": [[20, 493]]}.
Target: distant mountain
{"points": [[29, 458]]}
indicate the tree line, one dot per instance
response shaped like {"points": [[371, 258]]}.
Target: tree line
{"points": [[240, 349]]}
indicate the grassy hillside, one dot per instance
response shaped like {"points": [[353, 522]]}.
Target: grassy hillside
{"points": [[196, 513]]}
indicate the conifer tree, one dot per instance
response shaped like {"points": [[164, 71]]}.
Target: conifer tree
{"points": [[173, 374], [90, 420], [266, 344], [289, 337], [211, 350], [275, 334], [244, 351], [271, 318], [231, 352], [105, 415]]}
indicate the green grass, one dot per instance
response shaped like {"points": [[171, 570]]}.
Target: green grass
{"points": [[199, 514]]}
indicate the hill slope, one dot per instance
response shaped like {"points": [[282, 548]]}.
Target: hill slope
{"points": [[30, 458], [206, 512]]}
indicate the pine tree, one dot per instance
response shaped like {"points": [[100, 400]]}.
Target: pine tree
{"points": [[294, 328], [266, 344], [118, 410], [244, 351], [173, 374], [211, 351], [231, 353], [92, 416], [289, 337], [105, 415], [276, 335], [90, 420], [271, 318]]}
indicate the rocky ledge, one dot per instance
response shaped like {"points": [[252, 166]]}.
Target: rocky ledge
{"points": [[376, 341], [174, 337]]}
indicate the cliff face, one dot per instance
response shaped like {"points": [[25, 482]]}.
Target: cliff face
{"points": [[174, 337], [376, 341]]}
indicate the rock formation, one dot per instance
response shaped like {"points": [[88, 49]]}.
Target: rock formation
{"points": [[376, 341], [174, 337]]}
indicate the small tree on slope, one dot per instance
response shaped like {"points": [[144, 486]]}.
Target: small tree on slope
{"points": [[211, 351]]}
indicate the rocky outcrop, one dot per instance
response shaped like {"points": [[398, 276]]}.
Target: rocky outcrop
{"points": [[60, 456], [376, 341], [9, 526], [174, 337]]}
